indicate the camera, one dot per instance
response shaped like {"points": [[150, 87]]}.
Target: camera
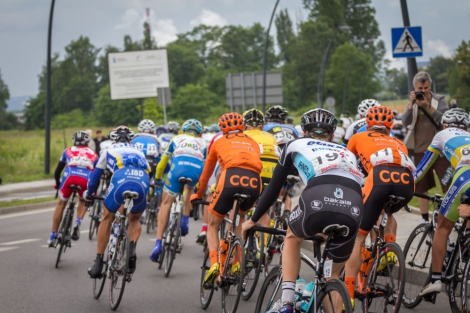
{"points": [[419, 95]]}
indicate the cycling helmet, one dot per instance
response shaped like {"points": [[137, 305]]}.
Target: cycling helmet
{"points": [[456, 117], [160, 130], [80, 138], [146, 126], [192, 126], [379, 117], [253, 117], [230, 122], [122, 134], [173, 127], [276, 114], [290, 120], [365, 105], [205, 129], [214, 128], [318, 118]]}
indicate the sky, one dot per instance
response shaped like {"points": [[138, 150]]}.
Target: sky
{"points": [[24, 23]]}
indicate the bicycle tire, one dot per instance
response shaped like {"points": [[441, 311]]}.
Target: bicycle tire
{"points": [[454, 286], [465, 284], [416, 259], [232, 283], [252, 273], [273, 249], [374, 303], [59, 253], [273, 280], [98, 283], [150, 220], [119, 270], [172, 246], [64, 233], [205, 296], [93, 214], [333, 285], [161, 258]]}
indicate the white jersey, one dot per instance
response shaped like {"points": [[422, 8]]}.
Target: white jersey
{"points": [[315, 158], [207, 137], [353, 128], [346, 121], [299, 129], [187, 145], [339, 134], [105, 145]]}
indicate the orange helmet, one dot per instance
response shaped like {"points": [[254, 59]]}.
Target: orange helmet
{"points": [[230, 121], [379, 116]]}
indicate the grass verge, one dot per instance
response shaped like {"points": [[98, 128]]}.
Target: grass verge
{"points": [[17, 202]]}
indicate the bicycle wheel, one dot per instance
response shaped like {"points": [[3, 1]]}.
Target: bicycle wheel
{"points": [[61, 245], [454, 287], [270, 290], [171, 246], [232, 277], [150, 219], [417, 254], [93, 220], [273, 249], [386, 285], [98, 283], [118, 271], [205, 294], [253, 261], [64, 234], [465, 290], [332, 295]]}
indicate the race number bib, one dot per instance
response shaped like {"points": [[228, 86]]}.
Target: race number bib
{"points": [[384, 156], [406, 162], [152, 150], [81, 162], [326, 160]]}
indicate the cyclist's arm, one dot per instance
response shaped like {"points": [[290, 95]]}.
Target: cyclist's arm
{"points": [[60, 167], [431, 155], [209, 166], [352, 144], [94, 179], [164, 160], [347, 136]]}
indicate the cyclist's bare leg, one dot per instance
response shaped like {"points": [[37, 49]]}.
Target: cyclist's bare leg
{"points": [[58, 212], [439, 243], [205, 218], [104, 230], [288, 204], [81, 209], [164, 213], [391, 227], [354, 263], [135, 227], [291, 257], [213, 232], [188, 192]]}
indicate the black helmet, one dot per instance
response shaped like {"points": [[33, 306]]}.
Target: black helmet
{"points": [[122, 134], [318, 118], [276, 114], [253, 117], [80, 138]]}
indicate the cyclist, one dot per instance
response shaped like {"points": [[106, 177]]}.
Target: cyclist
{"points": [[454, 143], [356, 125], [332, 196], [276, 121], [346, 118], [389, 168], [171, 131], [189, 152], [207, 137], [239, 158], [147, 142], [130, 172], [106, 144], [160, 130], [78, 161]]}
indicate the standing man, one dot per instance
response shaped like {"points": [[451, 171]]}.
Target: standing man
{"points": [[91, 143], [98, 140], [422, 117]]}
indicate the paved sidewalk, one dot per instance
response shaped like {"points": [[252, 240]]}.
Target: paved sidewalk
{"points": [[25, 190]]}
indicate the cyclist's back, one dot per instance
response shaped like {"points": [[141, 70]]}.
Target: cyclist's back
{"points": [[165, 139]]}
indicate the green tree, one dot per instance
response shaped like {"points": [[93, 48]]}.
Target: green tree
{"points": [[130, 45], [397, 82], [285, 33], [192, 101], [462, 85], [440, 69], [7, 120], [152, 110], [184, 64], [116, 112], [103, 66], [148, 43]]}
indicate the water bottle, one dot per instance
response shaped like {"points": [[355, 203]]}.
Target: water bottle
{"points": [[306, 295], [116, 229], [299, 289], [450, 248]]}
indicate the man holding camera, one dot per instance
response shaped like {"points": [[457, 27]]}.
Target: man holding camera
{"points": [[422, 117]]}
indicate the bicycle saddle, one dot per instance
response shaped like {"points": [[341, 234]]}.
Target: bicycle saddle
{"points": [[130, 194], [292, 179], [241, 197], [185, 180], [75, 187], [395, 200]]}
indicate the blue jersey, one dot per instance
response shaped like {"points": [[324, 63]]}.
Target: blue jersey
{"points": [[165, 139], [119, 156], [276, 127], [148, 144]]}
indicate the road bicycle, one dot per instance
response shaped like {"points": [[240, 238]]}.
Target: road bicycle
{"points": [[455, 274], [230, 280], [64, 234], [97, 211], [153, 207], [323, 289], [381, 279]]}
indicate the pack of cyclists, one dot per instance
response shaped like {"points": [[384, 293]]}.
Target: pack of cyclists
{"points": [[348, 170]]}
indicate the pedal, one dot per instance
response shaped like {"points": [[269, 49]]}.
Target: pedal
{"points": [[129, 278], [431, 297], [180, 248]]}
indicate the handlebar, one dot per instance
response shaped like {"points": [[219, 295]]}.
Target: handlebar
{"points": [[88, 204], [268, 230], [437, 198], [197, 202]]}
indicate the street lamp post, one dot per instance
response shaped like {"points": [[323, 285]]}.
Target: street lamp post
{"points": [[320, 73], [47, 152]]}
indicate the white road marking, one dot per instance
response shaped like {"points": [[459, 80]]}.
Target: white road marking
{"points": [[84, 231], [25, 213], [154, 239], [7, 249], [12, 243]]}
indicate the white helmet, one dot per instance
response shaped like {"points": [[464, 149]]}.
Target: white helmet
{"points": [[146, 126], [365, 105], [455, 118]]}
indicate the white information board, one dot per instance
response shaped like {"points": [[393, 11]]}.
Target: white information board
{"points": [[137, 74]]}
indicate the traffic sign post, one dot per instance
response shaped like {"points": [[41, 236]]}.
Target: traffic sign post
{"points": [[407, 42]]}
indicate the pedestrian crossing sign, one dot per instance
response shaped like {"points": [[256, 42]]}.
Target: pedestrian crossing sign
{"points": [[407, 42]]}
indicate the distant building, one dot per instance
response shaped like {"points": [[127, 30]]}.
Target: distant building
{"points": [[423, 64], [20, 117]]}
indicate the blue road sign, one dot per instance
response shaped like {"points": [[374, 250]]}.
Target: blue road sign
{"points": [[407, 42]]}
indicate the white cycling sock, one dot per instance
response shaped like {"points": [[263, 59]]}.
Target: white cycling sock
{"points": [[288, 291]]}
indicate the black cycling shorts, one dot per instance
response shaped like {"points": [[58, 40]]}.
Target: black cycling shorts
{"points": [[329, 200], [232, 181], [383, 181]]}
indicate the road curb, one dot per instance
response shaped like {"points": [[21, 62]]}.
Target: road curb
{"points": [[32, 189], [28, 207]]}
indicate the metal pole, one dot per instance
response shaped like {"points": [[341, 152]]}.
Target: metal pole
{"points": [[254, 89], [142, 108], [320, 74], [265, 56], [346, 81], [230, 91], [242, 84], [47, 151], [164, 105], [411, 62]]}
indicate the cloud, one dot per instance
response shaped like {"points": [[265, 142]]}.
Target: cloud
{"points": [[164, 31], [209, 18], [128, 19], [440, 47]]}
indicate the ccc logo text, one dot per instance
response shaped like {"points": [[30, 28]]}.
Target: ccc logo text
{"points": [[387, 176], [244, 181]]}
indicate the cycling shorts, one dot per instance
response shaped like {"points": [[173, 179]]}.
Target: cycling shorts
{"points": [[186, 167], [127, 179], [73, 176], [383, 181], [460, 184], [232, 181], [329, 200]]}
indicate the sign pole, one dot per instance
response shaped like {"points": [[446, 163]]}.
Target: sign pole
{"points": [[243, 91], [47, 152], [164, 105], [254, 89], [411, 62]]}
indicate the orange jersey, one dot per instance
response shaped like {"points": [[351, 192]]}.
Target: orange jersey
{"points": [[374, 148], [231, 150]]}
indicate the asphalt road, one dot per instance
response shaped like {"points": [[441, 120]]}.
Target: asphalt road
{"points": [[30, 282]]}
